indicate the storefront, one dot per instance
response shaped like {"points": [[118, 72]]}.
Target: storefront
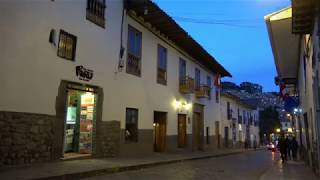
{"points": [[80, 121], [78, 111]]}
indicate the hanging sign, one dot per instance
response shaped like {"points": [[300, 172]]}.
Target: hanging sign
{"points": [[84, 73]]}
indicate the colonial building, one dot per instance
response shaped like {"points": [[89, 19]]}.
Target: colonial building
{"points": [[294, 36], [102, 78], [239, 122]]}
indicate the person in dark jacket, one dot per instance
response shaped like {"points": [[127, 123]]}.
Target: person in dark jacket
{"points": [[289, 148], [294, 146], [283, 148]]}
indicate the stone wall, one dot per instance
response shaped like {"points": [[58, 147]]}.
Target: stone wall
{"points": [[107, 139], [25, 138]]}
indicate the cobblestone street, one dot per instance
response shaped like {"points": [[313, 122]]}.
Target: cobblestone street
{"points": [[257, 165]]}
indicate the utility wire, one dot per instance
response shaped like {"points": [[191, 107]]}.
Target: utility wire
{"points": [[246, 23]]}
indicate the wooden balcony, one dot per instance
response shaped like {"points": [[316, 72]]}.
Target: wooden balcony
{"points": [[202, 91], [186, 85], [133, 65]]}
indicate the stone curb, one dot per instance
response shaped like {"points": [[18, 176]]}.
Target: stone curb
{"points": [[110, 170]]}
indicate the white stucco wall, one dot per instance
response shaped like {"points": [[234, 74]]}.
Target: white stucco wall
{"points": [[235, 105], [31, 71], [305, 86]]}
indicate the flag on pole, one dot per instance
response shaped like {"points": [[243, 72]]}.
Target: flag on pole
{"points": [[283, 90]]}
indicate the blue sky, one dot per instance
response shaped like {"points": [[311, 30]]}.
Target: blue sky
{"points": [[234, 32]]}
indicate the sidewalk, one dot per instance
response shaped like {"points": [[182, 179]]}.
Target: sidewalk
{"points": [[290, 170], [76, 169]]}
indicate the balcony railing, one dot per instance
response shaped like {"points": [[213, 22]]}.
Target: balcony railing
{"points": [[133, 65], [96, 12], [186, 85], [202, 91]]}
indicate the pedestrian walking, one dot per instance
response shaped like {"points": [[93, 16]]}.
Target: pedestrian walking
{"points": [[288, 154], [294, 146], [283, 148]]}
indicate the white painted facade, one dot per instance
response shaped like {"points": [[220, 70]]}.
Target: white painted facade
{"points": [[240, 130], [31, 71], [308, 86], [304, 57]]}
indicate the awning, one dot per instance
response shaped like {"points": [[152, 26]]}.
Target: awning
{"points": [[285, 44]]}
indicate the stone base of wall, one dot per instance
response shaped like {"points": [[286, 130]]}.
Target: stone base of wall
{"points": [[25, 138], [217, 141], [107, 139], [142, 147]]}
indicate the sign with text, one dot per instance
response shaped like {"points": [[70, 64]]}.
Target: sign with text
{"points": [[84, 73]]}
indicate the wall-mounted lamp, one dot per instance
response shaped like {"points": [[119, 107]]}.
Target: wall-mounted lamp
{"points": [[52, 37], [182, 105]]}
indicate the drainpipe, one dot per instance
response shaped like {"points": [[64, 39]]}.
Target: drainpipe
{"points": [[122, 49]]}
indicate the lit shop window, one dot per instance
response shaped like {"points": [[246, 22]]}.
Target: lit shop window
{"points": [[67, 45]]}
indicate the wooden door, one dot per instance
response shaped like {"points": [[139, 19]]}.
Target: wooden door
{"points": [[226, 136], [160, 124], [217, 133], [198, 131], [182, 130]]}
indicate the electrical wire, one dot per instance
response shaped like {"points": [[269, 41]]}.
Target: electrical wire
{"points": [[246, 23]]}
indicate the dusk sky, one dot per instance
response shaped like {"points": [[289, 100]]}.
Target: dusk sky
{"points": [[234, 32]]}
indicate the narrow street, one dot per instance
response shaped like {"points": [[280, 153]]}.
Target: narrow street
{"points": [[257, 165]]}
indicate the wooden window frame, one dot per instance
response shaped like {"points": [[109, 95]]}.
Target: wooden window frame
{"points": [[197, 82], [159, 69], [229, 111], [209, 84], [181, 60], [134, 56], [65, 38], [135, 139], [217, 96]]}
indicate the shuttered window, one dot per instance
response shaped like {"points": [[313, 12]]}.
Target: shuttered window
{"points": [[96, 12], [67, 45], [162, 65]]}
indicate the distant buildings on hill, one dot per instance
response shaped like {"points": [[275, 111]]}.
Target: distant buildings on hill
{"points": [[253, 94], [245, 86]]}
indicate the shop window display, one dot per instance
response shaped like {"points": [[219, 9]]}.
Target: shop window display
{"points": [[79, 122]]}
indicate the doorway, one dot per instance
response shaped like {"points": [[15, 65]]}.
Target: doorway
{"points": [[160, 128], [198, 131], [182, 130], [217, 133], [80, 121], [226, 136]]}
